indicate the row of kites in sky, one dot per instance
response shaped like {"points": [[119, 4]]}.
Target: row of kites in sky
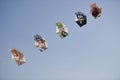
{"points": [[61, 30]]}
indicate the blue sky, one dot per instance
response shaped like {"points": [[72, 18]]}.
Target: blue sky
{"points": [[88, 53]]}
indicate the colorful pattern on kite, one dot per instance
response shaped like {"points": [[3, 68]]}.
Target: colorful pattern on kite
{"points": [[17, 56], [61, 30], [40, 42]]}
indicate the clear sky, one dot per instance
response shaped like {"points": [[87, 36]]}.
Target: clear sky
{"points": [[88, 53]]}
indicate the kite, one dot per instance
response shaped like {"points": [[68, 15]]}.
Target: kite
{"points": [[61, 30], [81, 19], [40, 42], [95, 10], [17, 56]]}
